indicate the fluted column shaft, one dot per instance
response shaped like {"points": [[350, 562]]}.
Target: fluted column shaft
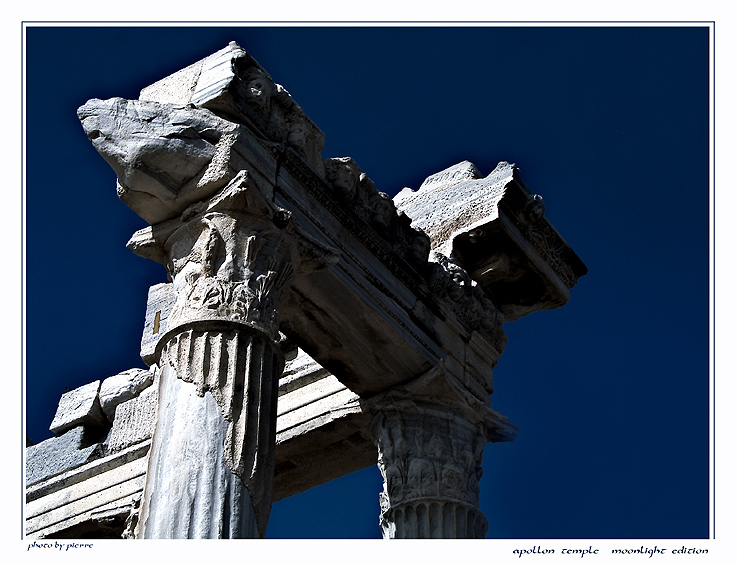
{"points": [[211, 464], [212, 459]]}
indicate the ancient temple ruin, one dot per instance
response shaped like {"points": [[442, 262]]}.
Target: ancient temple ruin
{"points": [[311, 326]]}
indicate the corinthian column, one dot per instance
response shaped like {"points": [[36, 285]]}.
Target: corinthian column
{"points": [[430, 459], [231, 261]]}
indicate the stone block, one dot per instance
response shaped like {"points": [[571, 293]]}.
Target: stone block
{"points": [[56, 455], [122, 387], [134, 420], [502, 238], [155, 178], [176, 88], [90, 501], [299, 371], [160, 302], [80, 406]]}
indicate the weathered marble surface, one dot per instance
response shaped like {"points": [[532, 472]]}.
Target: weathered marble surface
{"points": [[130, 407], [165, 157], [191, 491], [430, 459], [389, 292], [134, 419], [158, 308], [231, 83], [122, 387], [321, 433], [495, 229], [81, 406], [55, 455], [93, 499], [231, 259], [263, 240]]}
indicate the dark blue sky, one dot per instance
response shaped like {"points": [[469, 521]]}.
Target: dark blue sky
{"points": [[609, 124]]}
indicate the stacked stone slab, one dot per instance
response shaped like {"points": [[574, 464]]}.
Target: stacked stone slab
{"points": [[397, 308], [86, 482], [73, 480]]}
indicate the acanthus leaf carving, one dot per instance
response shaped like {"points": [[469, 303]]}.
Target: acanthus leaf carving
{"points": [[430, 461]]}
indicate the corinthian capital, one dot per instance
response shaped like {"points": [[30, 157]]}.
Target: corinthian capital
{"points": [[430, 459], [230, 266], [232, 258]]}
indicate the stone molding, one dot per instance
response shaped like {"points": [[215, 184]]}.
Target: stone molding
{"points": [[205, 157], [548, 244], [68, 499], [386, 231], [503, 240]]}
